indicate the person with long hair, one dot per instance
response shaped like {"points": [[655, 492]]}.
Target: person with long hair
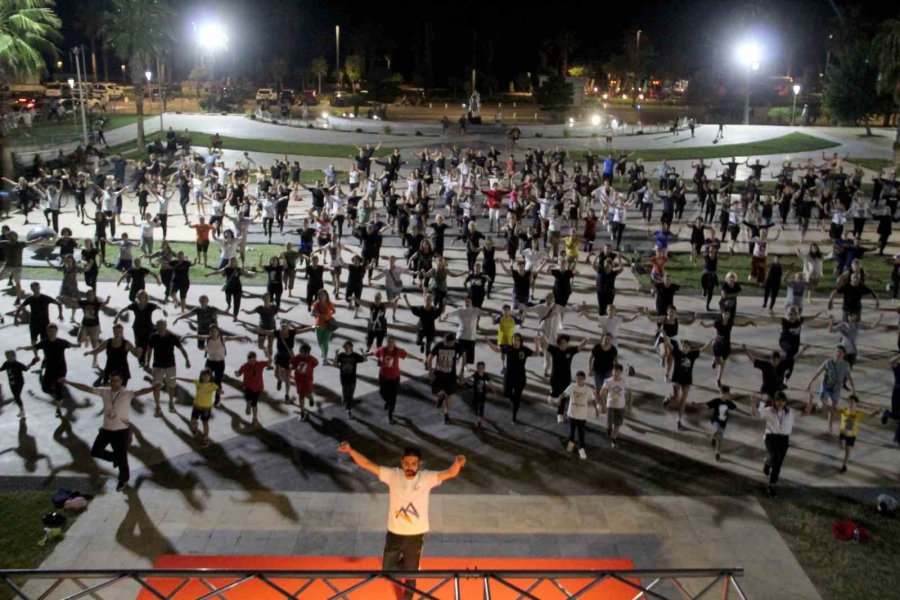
{"points": [[323, 312]]}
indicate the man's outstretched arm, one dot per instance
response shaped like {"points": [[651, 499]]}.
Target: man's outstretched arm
{"points": [[361, 460], [454, 469]]}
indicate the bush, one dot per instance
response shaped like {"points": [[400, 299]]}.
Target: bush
{"points": [[418, 133], [310, 125], [567, 133], [538, 134], [358, 130], [780, 114], [387, 129]]}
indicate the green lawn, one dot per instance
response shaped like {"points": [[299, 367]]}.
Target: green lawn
{"points": [[43, 132], [21, 529], [875, 164], [839, 570], [786, 144], [687, 275]]}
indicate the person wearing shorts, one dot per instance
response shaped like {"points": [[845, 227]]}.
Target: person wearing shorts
{"points": [[835, 371], [720, 408], [205, 389], [252, 372], [161, 356], [441, 365], [304, 365], [481, 383], [202, 230], [618, 401]]}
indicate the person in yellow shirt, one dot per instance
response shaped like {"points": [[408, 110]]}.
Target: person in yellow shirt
{"points": [[571, 246], [506, 323], [204, 394], [850, 418]]}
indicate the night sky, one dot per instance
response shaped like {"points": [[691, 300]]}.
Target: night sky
{"points": [[507, 36]]}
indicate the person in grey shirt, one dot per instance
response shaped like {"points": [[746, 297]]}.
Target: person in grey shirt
{"points": [[848, 330]]}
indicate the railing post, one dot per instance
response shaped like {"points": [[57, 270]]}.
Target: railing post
{"points": [[456, 586], [487, 587]]}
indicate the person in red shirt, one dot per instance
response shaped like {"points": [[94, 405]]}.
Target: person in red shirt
{"points": [[202, 230], [494, 199], [389, 357], [252, 370], [590, 231], [304, 364]]}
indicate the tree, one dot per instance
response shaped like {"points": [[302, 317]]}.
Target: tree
{"points": [[319, 69], [887, 52], [88, 23], [29, 29], [354, 67], [138, 31], [555, 94], [850, 87]]}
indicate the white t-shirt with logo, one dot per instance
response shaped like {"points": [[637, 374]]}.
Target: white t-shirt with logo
{"points": [[615, 396], [408, 503], [580, 397]]}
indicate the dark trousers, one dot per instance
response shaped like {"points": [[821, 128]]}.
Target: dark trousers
{"points": [[389, 388], [118, 439], [402, 553], [576, 427], [770, 295], [218, 371], [777, 447], [348, 390]]}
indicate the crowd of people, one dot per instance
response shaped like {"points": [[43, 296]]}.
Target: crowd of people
{"points": [[545, 211]]}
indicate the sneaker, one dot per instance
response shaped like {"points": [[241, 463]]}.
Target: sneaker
{"points": [[582, 454], [171, 407], [767, 468], [59, 414], [158, 412], [559, 418], [614, 443], [680, 427], [304, 416], [843, 469], [666, 402], [349, 415], [446, 419], [392, 421], [312, 403], [771, 491], [718, 457], [570, 447], [247, 409], [120, 487], [885, 416]]}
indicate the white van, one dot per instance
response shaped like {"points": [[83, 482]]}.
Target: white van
{"points": [[110, 91]]}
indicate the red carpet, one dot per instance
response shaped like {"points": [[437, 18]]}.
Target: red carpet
{"points": [[255, 590]]}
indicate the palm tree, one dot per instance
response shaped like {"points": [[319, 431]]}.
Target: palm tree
{"points": [[29, 29], [319, 69], [88, 23], [887, 48], [138, 31]]}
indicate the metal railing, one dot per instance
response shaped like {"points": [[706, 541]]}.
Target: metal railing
{"points": [[166, 584]]}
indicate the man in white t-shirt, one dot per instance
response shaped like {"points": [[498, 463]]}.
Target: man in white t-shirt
{"points": [[467, 331], [618, 401], [410, 488], [116, 422], [580, 396]]}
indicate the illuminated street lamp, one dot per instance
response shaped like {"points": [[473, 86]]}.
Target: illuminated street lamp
{"points": [[749, 55], [794, 105], [211, 38]]}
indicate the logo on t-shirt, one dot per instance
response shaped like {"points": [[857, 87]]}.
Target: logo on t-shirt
{"points": [[407, 513]]}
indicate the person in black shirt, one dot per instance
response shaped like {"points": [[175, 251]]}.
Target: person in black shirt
{"points": [[39, 306], [476, 282], [684, 355], [15, 375], [181, 280], [274, 278], [772, 370], [265, 328], [561, 356], [428, 315], [137, 275], [161, 349], [53, 367], [515, 377], [206, 317], [315, 281], [346, 362], [481, 383], [853, 293], [721, 347], [719, 409], [143, 321], [665, 294], [443, 372]]}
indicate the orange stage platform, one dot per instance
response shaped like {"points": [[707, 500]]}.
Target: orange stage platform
{"points": [[257, 590]]}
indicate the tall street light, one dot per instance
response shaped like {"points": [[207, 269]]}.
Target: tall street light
{"points": [[796, 90], [749, 55], [211, 38], [337, 54]]}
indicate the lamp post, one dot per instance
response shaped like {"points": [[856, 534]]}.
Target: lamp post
{"points": [[337, 54], [211, 38], [748, 54], [796, 90], [149, 76], [72, 95], [76, 54]]}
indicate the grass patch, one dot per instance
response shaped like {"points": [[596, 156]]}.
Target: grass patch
{"points": [[687, 275], [20, 530], [202, 140], [786, 144], [840, 570], [875, 164], [44, 132]]}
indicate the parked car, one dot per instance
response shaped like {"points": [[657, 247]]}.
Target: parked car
{"points": [[266, 95], [310, 97], [57, 89], [287, 96], [110, 91]]}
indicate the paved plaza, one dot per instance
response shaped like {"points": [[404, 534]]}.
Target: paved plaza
{"points": [[660, 499]]}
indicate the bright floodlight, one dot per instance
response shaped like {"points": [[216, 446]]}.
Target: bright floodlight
{"points": [[749, 54], [148, 75], [212, 36], [595, 120], [71, 83], [796, 89]]}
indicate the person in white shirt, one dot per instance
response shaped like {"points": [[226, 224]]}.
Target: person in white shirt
{"points": [[116, 421], [580, 395], [467, 332], [779, 424], [618, 402], [410, 488]]}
